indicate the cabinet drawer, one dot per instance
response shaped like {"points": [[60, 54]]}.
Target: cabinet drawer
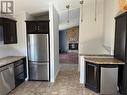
{"points": [[19, 79], [19, 69], [17, 63]]}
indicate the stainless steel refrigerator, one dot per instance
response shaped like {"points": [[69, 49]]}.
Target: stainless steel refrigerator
{"points": [[38, 56]]}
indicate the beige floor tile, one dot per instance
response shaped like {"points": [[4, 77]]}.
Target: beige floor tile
{"points": [[67, 83]]}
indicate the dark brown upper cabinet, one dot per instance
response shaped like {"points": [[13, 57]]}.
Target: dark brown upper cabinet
{"points": [[120, 37], [37, 27], [120, 50], [8, 31]]}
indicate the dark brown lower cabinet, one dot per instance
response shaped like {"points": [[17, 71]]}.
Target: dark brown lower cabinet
{"points": [[20, 71], [92, 77], [122, 79]]}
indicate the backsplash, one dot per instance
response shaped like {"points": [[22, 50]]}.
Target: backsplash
{"points": [[8, 50]]}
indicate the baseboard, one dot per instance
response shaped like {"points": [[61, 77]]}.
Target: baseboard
{"points": [[57, 71], [53, 80]]}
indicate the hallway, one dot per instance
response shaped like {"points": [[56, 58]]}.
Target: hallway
{"points": [[67, 83]]}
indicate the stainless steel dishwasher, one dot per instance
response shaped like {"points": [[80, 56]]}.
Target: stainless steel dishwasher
{"points": [[7, 82], [109, 78]]}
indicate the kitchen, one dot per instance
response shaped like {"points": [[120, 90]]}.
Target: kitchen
{"points": [[91, 47]]}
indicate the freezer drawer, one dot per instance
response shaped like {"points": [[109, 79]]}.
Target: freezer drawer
{"points": [[39, 71], [109, 77]]}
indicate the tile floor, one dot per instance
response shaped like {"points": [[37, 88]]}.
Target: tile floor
{"points": [[67, 83], [68, 58]]}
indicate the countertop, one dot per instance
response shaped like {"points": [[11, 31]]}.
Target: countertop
{"points": [[96, 55], [104, 60], [9, 59]]}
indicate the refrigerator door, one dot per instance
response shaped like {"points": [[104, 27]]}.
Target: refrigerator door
{"points": [[39, 71], [38, 47]]}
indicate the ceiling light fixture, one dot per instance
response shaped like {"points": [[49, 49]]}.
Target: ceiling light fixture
{"points": [[95, 10], [68, 8], [81, 3]]}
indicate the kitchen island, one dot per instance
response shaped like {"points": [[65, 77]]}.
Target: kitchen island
{"points": [[100, 73]]}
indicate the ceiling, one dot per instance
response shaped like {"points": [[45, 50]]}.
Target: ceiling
{"points": [[73, 19], [39, 6]]}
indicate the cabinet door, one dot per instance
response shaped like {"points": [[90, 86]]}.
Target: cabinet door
{"points": [[43, 27], [13, 30], [31, 27], [120, 38], [10, 33], [19, 79], [1, 31], [92, 76], [122, 79], [20, 71], [125, 82], [7, 33]]}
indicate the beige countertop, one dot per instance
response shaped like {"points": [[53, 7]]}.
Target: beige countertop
{"points": [[9, 59], [94, 55], [104, 61]]}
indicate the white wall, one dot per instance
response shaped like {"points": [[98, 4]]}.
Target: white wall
{"points": [[111, 8], [54, 42], [6, 50], [91, 32], [21, 46], [18, 49]]}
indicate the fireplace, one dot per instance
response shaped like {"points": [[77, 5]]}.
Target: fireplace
{"points": [[73, 46]]}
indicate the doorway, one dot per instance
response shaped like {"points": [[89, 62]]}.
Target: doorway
{"points": [[68, 45]]}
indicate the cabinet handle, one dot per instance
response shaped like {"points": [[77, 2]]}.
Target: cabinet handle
{"points": [[95, 73], [38, 27]]}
